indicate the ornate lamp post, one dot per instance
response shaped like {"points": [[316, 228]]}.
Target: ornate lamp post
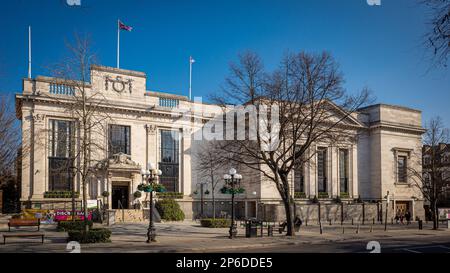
{"points": [[232, 186], [150, 176]]}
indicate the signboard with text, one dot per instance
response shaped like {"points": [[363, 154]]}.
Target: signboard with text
{"points": [[65, 215]]}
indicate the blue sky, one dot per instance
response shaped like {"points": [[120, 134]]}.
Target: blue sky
{"points": [[377, 46]]}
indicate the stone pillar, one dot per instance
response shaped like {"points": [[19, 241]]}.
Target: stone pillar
{"points": [[353, 170], [334, 166], [186, 177], [39, 156]]}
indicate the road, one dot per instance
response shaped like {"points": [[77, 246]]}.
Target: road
{"points": [[419, 244]]}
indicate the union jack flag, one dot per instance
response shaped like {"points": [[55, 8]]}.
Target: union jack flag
{"points": [[122, 26]]}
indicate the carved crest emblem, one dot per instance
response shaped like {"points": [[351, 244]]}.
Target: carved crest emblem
{"points": [[119, 84]]}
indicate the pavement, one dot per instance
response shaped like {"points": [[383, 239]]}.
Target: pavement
{"points": [[189, 236]]}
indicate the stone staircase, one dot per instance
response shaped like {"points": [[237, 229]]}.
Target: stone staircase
{"points": [[129, 216]]}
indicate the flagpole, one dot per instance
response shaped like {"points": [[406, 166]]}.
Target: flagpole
{"points": [[29, 52], [190, 78], [118, 43]]}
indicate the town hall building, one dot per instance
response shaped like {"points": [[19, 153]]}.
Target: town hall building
{"points": [[141, 127]]}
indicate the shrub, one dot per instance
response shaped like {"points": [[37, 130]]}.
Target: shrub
{"points": [[169, 210], [299, 195], [72, 225], [96, 235], [323, 195], [345, 195], [315, 200], [105, 194], [137, 194], [173, 195], [215, 223], [60, 194]]}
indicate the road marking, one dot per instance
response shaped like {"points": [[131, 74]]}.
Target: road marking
{"points": [[424, 247]]}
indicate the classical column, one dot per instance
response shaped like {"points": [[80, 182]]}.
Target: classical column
{"points": [[39, 156], [186, 177], [353, 168]]}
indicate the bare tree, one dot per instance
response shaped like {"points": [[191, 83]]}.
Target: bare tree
{"points": [[85, 106], [307, 92], [433, 179], [208, 165], [438, 38], [10, 152]]}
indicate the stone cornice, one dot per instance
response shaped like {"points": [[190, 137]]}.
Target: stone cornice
{"points": [[118, 71], [398, 128]]}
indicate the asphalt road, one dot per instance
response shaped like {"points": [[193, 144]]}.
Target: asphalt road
{"points": [[419, 244]]}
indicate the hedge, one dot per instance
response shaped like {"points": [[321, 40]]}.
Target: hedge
{"points": [[60, 194], [72, 225], [215, 223], [173, 195], [96, 235], [169, 210]]}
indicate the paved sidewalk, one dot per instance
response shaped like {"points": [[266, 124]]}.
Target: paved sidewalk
{"points": [[190, 237]]}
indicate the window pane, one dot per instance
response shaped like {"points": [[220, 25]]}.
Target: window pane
{"points": [[60, 151], [322, 169], [119, 140], [401, 165], [169, 164], [343, 170]]}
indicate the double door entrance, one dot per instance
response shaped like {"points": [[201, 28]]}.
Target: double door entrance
{"points": [[120, 197]]}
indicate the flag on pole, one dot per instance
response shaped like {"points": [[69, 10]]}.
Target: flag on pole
{"points": [[122, 26]]}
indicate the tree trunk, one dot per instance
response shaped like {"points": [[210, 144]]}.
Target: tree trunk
{"points": [[213, 204], [434, 214], [85, 210], [289, 217]]}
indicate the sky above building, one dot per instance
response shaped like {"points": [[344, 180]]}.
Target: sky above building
{"points": [[379, 47]]}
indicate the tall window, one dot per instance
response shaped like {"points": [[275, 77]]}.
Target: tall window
{"points": [[169, 163], [299, 178], [322, 169], [119, 140], [60, 155], [343, 170], [401, 169]]}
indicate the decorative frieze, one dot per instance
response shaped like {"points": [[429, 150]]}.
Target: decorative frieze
{"points": [[119, 84]]}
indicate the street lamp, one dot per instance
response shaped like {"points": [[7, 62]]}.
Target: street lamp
{"points": [[233, 186], [150, 176]]}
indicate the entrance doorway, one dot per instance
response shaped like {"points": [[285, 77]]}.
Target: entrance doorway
{"points": [[401, 207], [120, 196]]}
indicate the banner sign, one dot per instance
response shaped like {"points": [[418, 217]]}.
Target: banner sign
{"points": [[46, 216], [66, 215]]}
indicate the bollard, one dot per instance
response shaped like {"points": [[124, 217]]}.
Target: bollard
{"points": [[343, 230], [330, 222], [352, 221], [371, 228], [373, 221], [392, 221], [357, 229], [306, 222], [420, 224]]}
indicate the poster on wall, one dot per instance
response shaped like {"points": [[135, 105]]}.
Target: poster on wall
{"points": [[444, 213]]}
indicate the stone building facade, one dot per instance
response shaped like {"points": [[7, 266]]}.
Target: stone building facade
{"points": [[151, 127]]}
